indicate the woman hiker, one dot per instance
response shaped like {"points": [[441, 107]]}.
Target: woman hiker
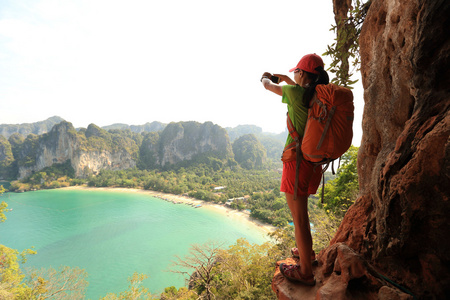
{"points": [[297, 94]]}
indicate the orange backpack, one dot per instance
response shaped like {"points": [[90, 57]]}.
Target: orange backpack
{"points": [[328, 133]]}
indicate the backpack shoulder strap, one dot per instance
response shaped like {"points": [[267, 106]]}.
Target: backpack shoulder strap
{"points": [[292, 131], [297, 139]]}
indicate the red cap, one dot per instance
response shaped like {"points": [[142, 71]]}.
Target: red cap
{"points": [[309, 63]]}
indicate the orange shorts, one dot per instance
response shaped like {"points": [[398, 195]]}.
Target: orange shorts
{"points": [[308, 179]]}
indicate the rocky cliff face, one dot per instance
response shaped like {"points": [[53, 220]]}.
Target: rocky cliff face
{"points": [[147, 127], [398, 226], [88, 162], [25, 129], [6, 157], [186, 141], [94, 149], [249, 152], [404, 156], [63, 143]]}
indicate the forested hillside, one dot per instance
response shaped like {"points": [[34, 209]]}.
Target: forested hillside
{"points": [[148, 147]]}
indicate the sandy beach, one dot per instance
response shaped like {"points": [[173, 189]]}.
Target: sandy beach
{"points": [[179, 199]]}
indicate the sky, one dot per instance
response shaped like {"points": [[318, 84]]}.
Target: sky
{"points": [[139, 61]]}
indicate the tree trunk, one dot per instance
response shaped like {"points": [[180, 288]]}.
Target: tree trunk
{"points": [[341, 9]]}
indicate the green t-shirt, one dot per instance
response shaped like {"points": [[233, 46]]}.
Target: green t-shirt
{"points": [[293, 97]]}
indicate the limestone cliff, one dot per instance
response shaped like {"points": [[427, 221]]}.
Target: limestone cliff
{"points": [[94, 149], [6, 157], [249, 152], [398, 227], [147, 127], [27, 128], [185, 141], [63, 143]]}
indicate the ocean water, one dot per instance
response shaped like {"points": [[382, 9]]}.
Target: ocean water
{"points": [[113, 234]]}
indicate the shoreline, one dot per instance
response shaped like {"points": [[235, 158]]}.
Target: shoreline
{"points": [[179, 199]]}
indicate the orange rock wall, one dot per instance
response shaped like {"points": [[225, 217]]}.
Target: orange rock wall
{"points": [[401, 220]]}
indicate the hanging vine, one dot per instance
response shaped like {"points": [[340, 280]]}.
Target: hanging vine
{"points": [[345, 50]]}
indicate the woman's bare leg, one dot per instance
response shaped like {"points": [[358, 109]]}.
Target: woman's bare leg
{"points": [[303, 239]]}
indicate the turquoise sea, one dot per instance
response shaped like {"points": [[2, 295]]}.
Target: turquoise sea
{"points": [[113, 234]]}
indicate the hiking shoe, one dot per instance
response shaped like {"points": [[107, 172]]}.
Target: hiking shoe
{"points": [[296, 254], [292, 272]]}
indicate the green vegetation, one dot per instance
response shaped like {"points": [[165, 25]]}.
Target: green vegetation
{"points": [[98, 139], [28, 148], [342, 191], [56, 176], [243, 271], [274, 145], [249, 152], [246, 271], [344, 52], [147, 156], [6, 158], [270, 208], [11, 276], [135, 290], [197, 181]]}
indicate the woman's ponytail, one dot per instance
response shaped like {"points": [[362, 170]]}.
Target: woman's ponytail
{"points": [[321, 78]]}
